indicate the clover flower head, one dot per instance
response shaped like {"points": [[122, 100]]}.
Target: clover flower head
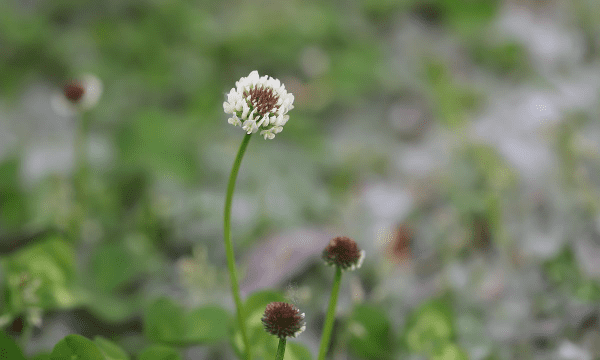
{"points": [[344, 253], [78, 95], [283, 320], [74, 91], [259, 103]]}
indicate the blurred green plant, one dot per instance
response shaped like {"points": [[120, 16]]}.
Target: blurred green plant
{"points": [[563, 271]]}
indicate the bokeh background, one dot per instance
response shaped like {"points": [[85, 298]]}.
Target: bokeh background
{"points": [[455, 140]]}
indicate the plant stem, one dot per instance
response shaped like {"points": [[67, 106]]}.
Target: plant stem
{"points": [[235, 289], [280, 349], [81, 166], [330, 314], [26, 333], [80, 175]]}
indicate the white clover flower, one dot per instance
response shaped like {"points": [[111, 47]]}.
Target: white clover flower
{"points": [[78, 95], [259, 103]]}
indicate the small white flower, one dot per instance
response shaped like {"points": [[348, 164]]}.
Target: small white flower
{"points": [[78, 95], [234, 120], [259, 103]]}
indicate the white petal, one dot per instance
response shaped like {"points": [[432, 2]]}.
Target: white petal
{"points": [[234, 120], [250, 126], [276, 129], [93, 90], [245, 110]]}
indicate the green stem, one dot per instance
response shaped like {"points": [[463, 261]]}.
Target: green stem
{"points": [[330, 314], [280, 349], [80, 175], [235, 289], [81, 167], [26, 333]]}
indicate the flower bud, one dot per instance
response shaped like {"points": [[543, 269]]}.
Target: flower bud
{"points": [[283, 320], [344, 253]]}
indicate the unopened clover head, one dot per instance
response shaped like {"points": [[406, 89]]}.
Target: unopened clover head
{"points": [[344, 253], [259, 103], [283, 320]]}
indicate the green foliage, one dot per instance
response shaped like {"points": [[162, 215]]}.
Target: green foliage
{"points": [[370, 333], [509, 59], [119, 263], [564, 272], [10, 349], [430, 331], [158, 140], [450, 352], [467, 18], [453, 101], [41, 275], [159, 352], [14, 210], [166, 322], [110, 350], [76, 347], [41, 356]]}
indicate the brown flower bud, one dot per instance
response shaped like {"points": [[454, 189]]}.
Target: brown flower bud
{"points": [[343, 252], [283, 320]]}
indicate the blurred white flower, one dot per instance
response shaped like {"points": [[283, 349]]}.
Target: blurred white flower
{"points": [[77, 95], [259, 103]]}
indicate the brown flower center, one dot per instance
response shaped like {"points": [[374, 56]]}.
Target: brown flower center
{"points": [[282, 319], [74, 91], [342, 251], [262, 99]]}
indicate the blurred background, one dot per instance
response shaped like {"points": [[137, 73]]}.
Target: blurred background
{"points": [[455, 140]]}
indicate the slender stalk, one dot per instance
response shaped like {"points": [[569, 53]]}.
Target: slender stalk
{"points": [[80, 175], [235, 289], [326, 336], [280, 349], [81, 166], [26, 334]]}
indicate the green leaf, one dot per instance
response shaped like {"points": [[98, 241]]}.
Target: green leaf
{"points": [[76, 347], [206, 324], [159, 352], [588, 291], [563, 268], [42, 356], [370, 333], [451, 352], [10, 349], [166, 322], [429, 328], [118, 264], [111, 350], [51, 264], [113, 308]]}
